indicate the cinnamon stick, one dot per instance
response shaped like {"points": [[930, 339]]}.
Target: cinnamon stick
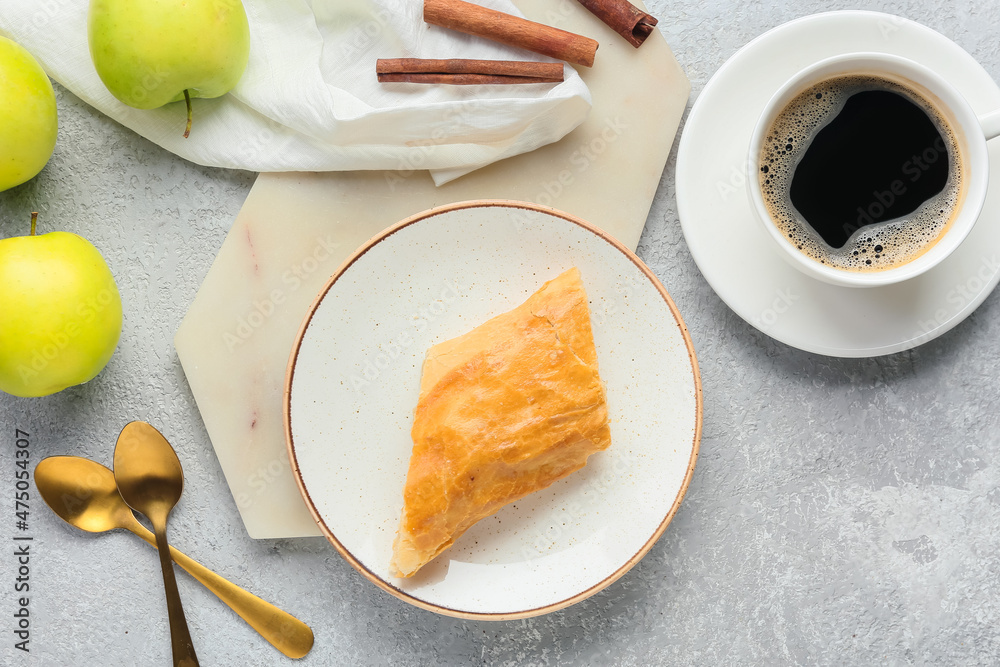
{"points": [[457, 71], [624, 18], [511, 30]]}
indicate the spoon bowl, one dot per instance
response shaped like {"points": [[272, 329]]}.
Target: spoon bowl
{"points": [[83, 493], [147, 471]]}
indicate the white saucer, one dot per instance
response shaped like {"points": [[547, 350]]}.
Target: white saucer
{"points": [[739, 261]]}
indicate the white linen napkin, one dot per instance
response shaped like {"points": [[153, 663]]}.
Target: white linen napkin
{"points": [[310, 101]]}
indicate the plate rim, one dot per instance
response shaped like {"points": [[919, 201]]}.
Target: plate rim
{"points": [[358, 565]]}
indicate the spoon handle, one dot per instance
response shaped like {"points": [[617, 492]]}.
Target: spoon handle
{"points": [[180, 638], [285, 632]]}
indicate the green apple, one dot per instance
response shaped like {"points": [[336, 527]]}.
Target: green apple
{"points": [[154, 52], [28, 120], [61, 312]]}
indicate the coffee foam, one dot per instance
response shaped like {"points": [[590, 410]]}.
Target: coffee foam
{"points": [[876, 247]]}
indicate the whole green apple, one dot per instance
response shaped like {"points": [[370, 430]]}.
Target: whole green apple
{"points": [[28, 119], [154, 52], [61, 312]]}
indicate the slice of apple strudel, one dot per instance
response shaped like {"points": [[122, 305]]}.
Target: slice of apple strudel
{"points": [[505, 410]]}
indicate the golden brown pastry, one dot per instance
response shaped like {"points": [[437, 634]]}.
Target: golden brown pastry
{"points": [[505, 410]]}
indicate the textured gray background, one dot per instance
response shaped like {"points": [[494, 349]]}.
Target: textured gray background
{"points": [[842, 511]]}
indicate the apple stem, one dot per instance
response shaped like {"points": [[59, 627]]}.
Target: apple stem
{"points": [[34, 217], [187, 100]]}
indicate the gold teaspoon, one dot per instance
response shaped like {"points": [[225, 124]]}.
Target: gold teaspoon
{"points": [[83, 493], [150, 479]]}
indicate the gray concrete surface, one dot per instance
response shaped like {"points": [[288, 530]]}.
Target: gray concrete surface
{"points": [[842, 511]]}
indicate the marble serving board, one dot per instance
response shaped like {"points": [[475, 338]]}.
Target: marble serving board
{"points": [[297, 228]]}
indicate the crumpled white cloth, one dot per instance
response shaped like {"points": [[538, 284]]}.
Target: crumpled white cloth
{"points": [[309, 100]]}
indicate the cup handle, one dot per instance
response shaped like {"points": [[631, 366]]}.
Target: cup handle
{"points": [[991, 124]]}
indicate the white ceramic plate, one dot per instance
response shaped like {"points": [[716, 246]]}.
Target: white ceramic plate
{"points": [[729, 245], [353, 381]]}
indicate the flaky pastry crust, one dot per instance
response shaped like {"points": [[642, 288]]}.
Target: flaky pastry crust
{"points": [[504, 410]]}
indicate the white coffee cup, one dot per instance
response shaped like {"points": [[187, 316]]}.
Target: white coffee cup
{"points": [[970, 130]]}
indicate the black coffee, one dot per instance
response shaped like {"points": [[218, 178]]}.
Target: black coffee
{"points": [[861, 172]]}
